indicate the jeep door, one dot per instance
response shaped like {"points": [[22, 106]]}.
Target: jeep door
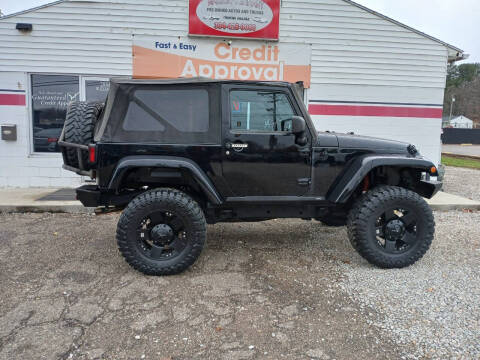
{"points": [[260, 155]]}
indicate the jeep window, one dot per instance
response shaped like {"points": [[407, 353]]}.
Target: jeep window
{"points": [[259, 111], [137, 119], [156, 110]]}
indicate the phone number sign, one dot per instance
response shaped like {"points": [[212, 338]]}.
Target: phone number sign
{"points": [[254, 19]]}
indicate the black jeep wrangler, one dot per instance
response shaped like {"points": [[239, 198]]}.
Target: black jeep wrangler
{"points": [[175, 155]]}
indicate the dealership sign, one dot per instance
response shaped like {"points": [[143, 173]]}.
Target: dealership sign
{"points": [[160, 57], [255, 19]]}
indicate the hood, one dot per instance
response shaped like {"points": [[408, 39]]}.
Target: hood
{"points": [[348, 141]]}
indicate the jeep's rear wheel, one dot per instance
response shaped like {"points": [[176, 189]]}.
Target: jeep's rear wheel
{"points": [[391, 227], [161, 232]]}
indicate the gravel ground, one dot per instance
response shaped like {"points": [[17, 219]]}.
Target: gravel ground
{"points": [[433, 304], [257, 292], [463, 182]]}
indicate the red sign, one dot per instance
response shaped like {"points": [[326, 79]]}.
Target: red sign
{"points": [[254, 19]]}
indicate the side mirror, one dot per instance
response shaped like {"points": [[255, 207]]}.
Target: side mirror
{"points": [[298, 125]]}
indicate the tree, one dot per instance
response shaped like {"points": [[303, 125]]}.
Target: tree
{"points": [[463, 83], [458, 75]]}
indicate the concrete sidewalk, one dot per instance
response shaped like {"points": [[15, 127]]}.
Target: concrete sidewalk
{"points": [[445, 202], [27, 200], [465, 150]]}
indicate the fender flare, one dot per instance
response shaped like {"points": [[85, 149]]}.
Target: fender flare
{"points": [[346, 183], [173, 162]]}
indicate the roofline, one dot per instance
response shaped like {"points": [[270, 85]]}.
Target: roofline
{"points": [[462, 57], [32, 9], [461, 116], [404, 26]]}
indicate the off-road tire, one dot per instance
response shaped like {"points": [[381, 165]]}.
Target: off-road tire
{"points": [[363, 237], [79, 124], [171, 200]]}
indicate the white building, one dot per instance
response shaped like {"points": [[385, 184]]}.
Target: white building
{"points": [[462, 122], [369, 73]]}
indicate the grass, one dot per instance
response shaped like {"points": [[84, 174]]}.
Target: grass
{"points": [[460, 162]]}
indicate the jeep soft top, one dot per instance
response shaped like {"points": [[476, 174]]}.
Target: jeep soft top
{"points": [[176, 154]]}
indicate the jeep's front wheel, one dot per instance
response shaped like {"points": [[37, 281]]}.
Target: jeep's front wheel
{"points": [[161, 232], [391, 227]]}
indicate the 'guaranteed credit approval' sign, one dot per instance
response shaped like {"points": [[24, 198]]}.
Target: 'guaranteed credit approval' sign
{"points": [[160, 57]]}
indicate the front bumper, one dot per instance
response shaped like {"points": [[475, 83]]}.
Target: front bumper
{"points": [[428, 188]]}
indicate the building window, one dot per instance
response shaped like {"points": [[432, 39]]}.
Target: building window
{"points": [[259, 111], [51, 95]]}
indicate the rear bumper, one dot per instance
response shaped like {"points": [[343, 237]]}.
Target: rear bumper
{"points": [[93, 196], [89, 195]]}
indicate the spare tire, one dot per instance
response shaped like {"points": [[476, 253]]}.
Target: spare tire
{"points": [[78, 129]]}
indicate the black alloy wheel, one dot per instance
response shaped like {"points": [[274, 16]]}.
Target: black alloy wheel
{"points": [[396, 230], [161, 235], [161, 232], [391, 227]]}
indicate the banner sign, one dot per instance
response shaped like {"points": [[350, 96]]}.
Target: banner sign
{"points": [[255, 19], [160, 57]]}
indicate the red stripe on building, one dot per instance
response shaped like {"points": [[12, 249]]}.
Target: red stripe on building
{"points": [[12, 99], [385, 111]]}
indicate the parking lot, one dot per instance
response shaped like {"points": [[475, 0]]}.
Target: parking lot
{"points": [[279, 289]]}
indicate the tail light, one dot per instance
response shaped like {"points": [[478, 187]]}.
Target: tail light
{"points": [[92, 154], [52, 140]]}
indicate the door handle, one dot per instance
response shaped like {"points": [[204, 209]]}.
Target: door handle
{"points": [[236, 146], [304, 152], [304, 181]]}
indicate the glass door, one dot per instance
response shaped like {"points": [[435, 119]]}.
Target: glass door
{"points": [[94, 88]]}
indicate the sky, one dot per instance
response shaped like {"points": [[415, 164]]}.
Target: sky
{"points": [[453, 21]]}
